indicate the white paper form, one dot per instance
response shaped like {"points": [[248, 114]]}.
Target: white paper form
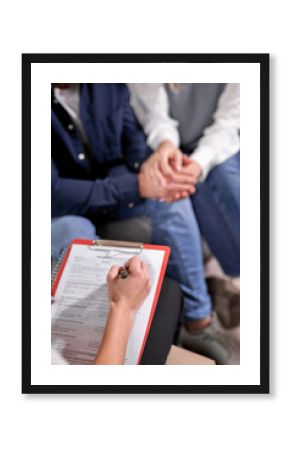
{"points": [[81, 305]]}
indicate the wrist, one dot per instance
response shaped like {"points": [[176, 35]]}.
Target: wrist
{"points": [[141, 184], [122, 308], [164, 144]]}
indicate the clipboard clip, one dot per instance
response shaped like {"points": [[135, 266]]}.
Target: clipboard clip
{"points": [[125, 245]]}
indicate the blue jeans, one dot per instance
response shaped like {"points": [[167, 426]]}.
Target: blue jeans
{"points": [[177, 225], [65, 229], [216, 204], [214, 212]]}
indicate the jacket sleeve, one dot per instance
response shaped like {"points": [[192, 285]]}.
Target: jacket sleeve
{"points": [[82, 197], [135, 148]]}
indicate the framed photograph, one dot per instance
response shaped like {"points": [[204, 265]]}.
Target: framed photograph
{"points": [[146, 214]]}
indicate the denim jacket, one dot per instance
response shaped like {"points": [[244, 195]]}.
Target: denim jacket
{"points": [[91, 179]]}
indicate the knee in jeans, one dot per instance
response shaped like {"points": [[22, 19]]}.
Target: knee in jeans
{"points": [[76, 226], [226, 169], [178, 213], [182, 208]]}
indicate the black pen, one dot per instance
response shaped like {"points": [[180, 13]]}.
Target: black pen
{"points": [[123, 272]]}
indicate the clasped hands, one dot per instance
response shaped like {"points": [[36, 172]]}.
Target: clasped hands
{"points": [[168, 175]]}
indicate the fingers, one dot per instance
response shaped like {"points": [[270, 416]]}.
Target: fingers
{"points": [[113, 273], [159, 178], [185, 160], [183, 178], [136, 266], [177, 161], [147, 287], [185, 194], [144, 269], [165, 166], [180, 187], [173, 197], [154, 174], [143, 265]]}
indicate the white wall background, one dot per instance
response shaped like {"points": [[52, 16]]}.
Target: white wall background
{"points": [[134, 421]]}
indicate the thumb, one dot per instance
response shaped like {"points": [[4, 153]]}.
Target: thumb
{"points": [[113, 273], [177, 160]]}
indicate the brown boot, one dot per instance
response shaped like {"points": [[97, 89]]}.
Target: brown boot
{"points": [[226, 300]]}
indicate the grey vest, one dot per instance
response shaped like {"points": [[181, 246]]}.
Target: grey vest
{"points": [[193, 106]]}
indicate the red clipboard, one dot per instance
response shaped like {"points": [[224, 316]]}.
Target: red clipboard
{"points": [[165, 249]]}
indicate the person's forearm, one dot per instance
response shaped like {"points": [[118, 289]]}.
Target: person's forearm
{"points": [[151, 106], [114, 343], [79, 197], [220, 140]]}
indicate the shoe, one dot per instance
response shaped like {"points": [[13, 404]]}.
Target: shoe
{"points": [[212, 342], [226, 300]]}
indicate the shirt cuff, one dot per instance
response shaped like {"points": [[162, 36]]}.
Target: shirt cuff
{"points": [[127, 190], [203, 156], [208, 159], [163, 133]]}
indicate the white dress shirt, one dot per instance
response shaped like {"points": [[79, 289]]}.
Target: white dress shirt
{"points": [[219, 141]]}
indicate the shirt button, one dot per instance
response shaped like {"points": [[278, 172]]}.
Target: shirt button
{"points": [[70, 127], [81, 156], [136, 165], [131, 205]]}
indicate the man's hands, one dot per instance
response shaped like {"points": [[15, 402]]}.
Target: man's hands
{"points": [[191, 168], [165, 161], [168, 174], [149, 188], [129, 293]]}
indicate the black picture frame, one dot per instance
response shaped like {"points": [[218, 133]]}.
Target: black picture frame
{"points": [[263, 61]]}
